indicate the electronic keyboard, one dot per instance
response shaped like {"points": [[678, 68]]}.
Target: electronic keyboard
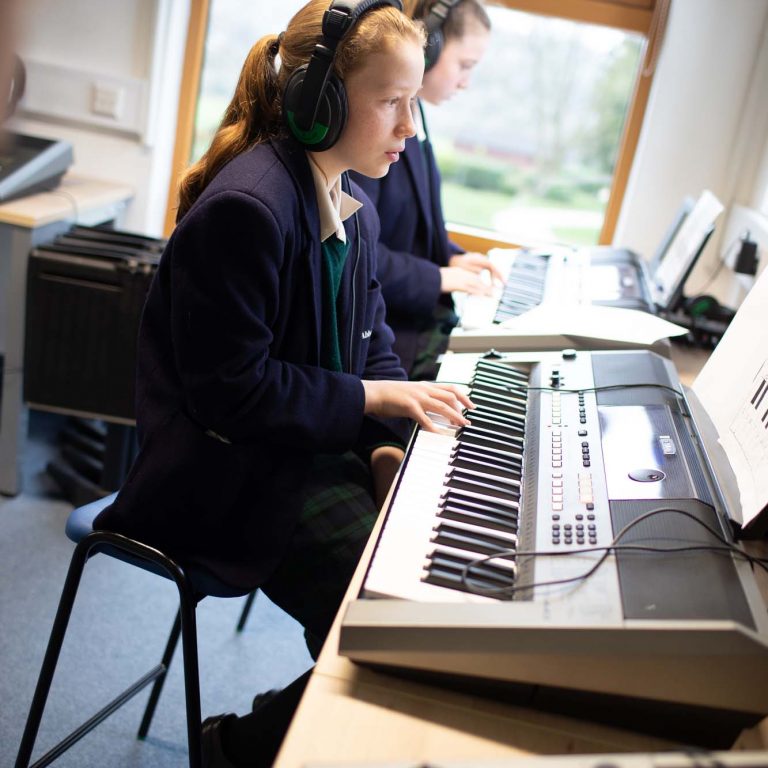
{"points": [[573, 537]]}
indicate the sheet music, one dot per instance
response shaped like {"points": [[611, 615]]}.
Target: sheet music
{"points": [[686, 243], [594, 322], [733, 387], [748, 436]]}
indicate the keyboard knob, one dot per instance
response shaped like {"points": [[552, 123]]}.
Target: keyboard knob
{"points": [[647, 475]]}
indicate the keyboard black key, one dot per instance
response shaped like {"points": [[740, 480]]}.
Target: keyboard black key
{"points": [[457, 500], [475, 541], [477, 518]]}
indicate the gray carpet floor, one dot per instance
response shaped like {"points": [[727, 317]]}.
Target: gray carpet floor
{"points": [[117, 632]]}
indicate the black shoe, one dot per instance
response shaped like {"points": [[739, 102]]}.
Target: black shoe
{"points": [[260, 699], [213, 751]]}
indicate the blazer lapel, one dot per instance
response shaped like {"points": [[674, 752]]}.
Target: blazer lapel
{"points": [[294, 157], [413, 157]]}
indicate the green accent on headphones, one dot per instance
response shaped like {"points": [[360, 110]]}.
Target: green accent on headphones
{"points": [[314, 135]]}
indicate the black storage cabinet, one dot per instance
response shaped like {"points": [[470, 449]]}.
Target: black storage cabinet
{"points": [[84, 303]]}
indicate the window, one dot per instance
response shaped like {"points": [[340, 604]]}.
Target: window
{"points": [[231, 33], [539, 148], [530, 148]]}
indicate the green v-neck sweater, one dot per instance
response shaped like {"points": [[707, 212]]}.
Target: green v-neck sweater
{"points": [[334, 257]]}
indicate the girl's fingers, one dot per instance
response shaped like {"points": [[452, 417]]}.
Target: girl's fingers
{"points": [[447, 411], [456, 394]]}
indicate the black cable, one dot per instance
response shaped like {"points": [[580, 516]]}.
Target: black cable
{"points": [[607, 550], [608, 388], [604, 388], [744, 235], [729, 547], [712, 277]]}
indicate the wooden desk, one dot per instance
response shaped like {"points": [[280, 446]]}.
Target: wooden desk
{"points": [[25, 223], [351, 714], [688, 361]]}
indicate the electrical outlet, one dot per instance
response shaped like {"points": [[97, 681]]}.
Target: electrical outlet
{"points": [[106, 100]]}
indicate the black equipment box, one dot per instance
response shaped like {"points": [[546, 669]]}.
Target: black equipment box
{"points": [[85, 294]]}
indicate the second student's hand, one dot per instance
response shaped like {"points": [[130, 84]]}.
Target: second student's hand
{"points": [[460, 279], [478, 263], [416, 400]]}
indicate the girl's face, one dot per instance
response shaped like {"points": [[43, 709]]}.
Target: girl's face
{"points": [[454, 65], [381, 97]]}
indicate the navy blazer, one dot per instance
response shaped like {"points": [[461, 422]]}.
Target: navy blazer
{"points": [[231, 401], [413, 244]]}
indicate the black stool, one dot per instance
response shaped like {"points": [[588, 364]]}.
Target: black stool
{"points": [[193, 584]]}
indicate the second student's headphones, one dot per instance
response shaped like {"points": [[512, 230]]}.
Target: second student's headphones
{"points": [[434, 22], [315, 100]]}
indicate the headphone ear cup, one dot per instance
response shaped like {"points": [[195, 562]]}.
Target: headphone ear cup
{"points": [[331, 112], [334, 105], [292, 102], [702, 305], [433, 49]]}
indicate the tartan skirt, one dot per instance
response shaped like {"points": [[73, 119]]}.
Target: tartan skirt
{"points": [[336, 521]]}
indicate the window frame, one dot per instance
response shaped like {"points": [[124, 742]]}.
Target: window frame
{"points": [[644, 17], [189, 90]]}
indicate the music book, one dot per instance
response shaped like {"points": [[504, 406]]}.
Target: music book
{"points": [[733, 389]]}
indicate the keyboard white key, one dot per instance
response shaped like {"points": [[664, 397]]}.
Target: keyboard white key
{"points": [[458, 501]]}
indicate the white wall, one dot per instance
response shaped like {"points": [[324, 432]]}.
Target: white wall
{"points": [[134, 47], [705, 127]]}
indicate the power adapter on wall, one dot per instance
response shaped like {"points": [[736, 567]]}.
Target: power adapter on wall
{"points": [[745, 262]]}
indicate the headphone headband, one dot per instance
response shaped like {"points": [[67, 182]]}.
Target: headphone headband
{"points": [[438, 13], [434, 22], [340, 17]]}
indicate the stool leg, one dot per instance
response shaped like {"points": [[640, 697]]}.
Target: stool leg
{"points": [[187, 606], [60, 623], [157, 688], [246, 610]]}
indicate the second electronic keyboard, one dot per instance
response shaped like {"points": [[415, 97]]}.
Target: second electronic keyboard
{"points": [[563, 279], [605, 276]]}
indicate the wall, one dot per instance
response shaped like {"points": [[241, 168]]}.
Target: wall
{"points": [[127, 54], [705, 127]]}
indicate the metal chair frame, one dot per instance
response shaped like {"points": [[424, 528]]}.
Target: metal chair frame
{"points": [[246, 610], [185, 624]]}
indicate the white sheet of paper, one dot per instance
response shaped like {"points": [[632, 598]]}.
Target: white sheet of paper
{"points": [[733, 388], [595, 322], [686, 244]]}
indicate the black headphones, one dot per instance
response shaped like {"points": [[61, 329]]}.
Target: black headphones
{"points": [[706, 318], [315, 100], [434, 22]]}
